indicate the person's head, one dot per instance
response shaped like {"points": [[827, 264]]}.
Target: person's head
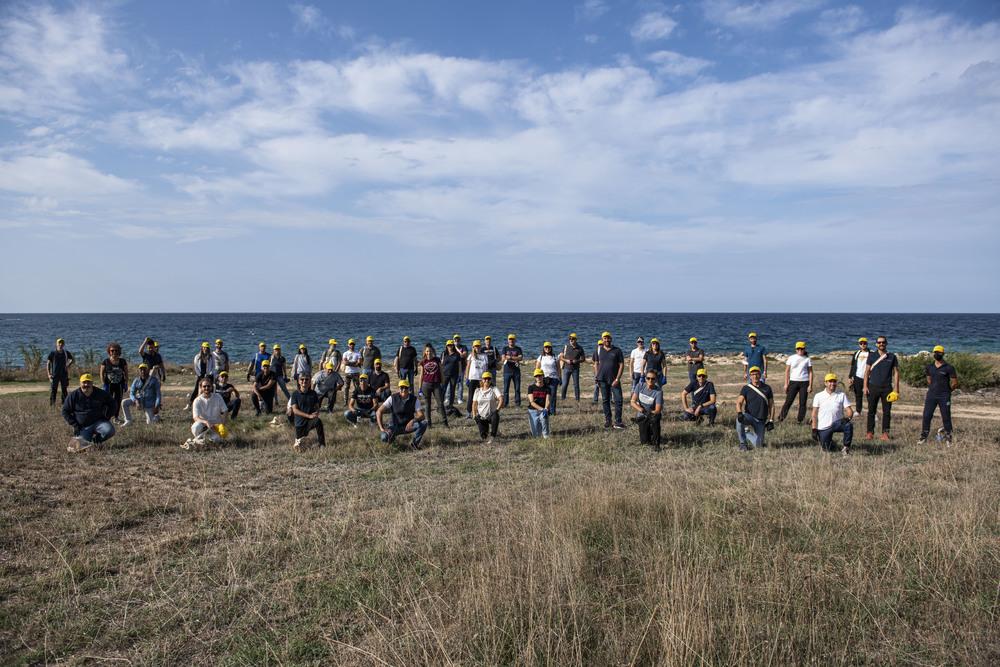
{"points": [[449, 346], [156, 346], [881, 343], [701, 376], [863, 343], [640, 342], [830, 382], [539, 376], [606, 338], [752, 337], [938, 353], [302, 349], [304, 381], [572, 339], [333, 342], [60, 344], [547, 347], [363, 379], [655, 344], [693, 342], [265, 366], [800, 348], [487, 378], [262, 346], [205, 348], [457, 338], [87, 384], [477, 346], [329, 367], [378, 364], [404, 388], [143, 371], [350, 343], [488, 340], [224, 377], [114, 350], [429, 351], [511, 340], [651, 379], [218, 343], [205, 386], [406, 341], [369, 341], [755, 374], [276, 350]]}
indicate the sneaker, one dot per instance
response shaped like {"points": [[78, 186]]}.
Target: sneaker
{"points": [[468, 415], [923, 439], [298, 444], [619, 426], [77, 444], [125, 423], [354, 424], [884, 437], [489, 441], [187, 444], [869, 436], [545, 436], [199, 441], [607, 424], [846, 451]]}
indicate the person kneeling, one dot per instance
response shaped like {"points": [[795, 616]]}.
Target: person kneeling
{"points": [[144, 393], [362, 402], [647, 400], [698, 399], [230, 395], [754, 411], [539, 401], [487, 402], [831, 413], [406, 414], [209, 413], [88, 410], [305, 410]]}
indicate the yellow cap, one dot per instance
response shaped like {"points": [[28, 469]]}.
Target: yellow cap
{"points": [[487, 337], [378, 361], [205, 344], [701, 371], [218, 340], [350, 341], [265, 363], [754, 368], [692, 339], [830, 377], [226, 373], [800, 345], [547, 344], [456, 335], [487, 375], [511, 337], [261, 344], [363, 376], [60, 340], [155, 344], [938, 348], [333, 341], [892, 397], [450, 342], [86, 377], [572, 335], [144, 366], [404, 383], [752, 334], [368, 338], [329, 365], [654, 340], [477, 343], [606, 334], [538, 371], [276, 347], [302, 346], [406, 338], [221, 430], [862, 340]]}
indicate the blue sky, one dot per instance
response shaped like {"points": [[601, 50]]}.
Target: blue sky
{"points": [[723, 155]]}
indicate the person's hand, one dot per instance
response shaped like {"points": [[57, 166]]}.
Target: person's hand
{"points": [[786, 386], [697, 410], [616, 383], [866, 391], [815, 434], [740, 418], [690, 411]]}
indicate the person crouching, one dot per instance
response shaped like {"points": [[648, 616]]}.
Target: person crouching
{"points": [[208, 410], [305, 411]]}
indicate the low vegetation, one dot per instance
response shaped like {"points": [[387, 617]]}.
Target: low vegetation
{"points": [[973, 371]]}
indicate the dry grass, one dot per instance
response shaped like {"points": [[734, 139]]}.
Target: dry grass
{"points": [[585, 549]]}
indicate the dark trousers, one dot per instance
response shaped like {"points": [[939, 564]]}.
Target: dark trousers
{"points": [[234, 407], [448, 391], [488, 426], [471, 391], [58, 382], [609, 394], [432, 390], [875, 396], [795, 388], [649, 430], [858, 385], [331, 399], [349, 380], [709, 411], [931, 403], [267, 405], [511, 375], [826, 435], [553, 390], [302, 430], [116, 391], [567, 373]]}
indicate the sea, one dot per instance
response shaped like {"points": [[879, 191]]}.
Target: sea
{"points": [[180, 334]]}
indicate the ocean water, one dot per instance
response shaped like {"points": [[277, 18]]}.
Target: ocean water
{"points": [[180, 334]]}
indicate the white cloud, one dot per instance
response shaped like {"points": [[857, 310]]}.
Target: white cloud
{"points": [[58, 176], [761, 14], [591, 10], [653, 26], [672, 63], [309, 18]]}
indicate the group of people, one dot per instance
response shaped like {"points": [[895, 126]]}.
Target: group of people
{"points": [[467, 376]]}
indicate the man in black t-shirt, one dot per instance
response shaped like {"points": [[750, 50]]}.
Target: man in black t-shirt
{"points": [[513, 355], [305, 409], [608, 367], [405, 363], [150, 353], [571, 358], [57, 366], [229, 394], [698, 399], [754, 411], [369, 353], [881, 379], [379, 381], [941, 381], [451, 376], [265, 386], [362, 403]]}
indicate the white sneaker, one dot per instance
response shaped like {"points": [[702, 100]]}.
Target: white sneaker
{"points": [[545, 436], [199, 441], [298, 444], [489, 441], [187, 444], [125, 423]]}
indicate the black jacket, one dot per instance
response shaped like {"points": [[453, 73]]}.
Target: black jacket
{"points": [[81, 411]]}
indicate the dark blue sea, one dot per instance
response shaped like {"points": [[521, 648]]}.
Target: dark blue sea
{"points": [[180, 334]]}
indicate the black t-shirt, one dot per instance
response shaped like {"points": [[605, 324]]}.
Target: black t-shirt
{"points": [[940, 379], [115, 374], [407, 357], [369, 355], [263, 377], [451, 364], [378, 379], [514, 350], [306, 401], [703, 394], [608, 361], [59, 362], [654, 360], [364, 399], [225, 390], [538, 394], [755, 405], [574, 354], [492, 357], [880, 374], [152, 359], [278, 364]]}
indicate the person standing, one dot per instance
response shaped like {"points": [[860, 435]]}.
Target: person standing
{"points": [[608, 374], [430, 383], [798, 381], [647, 400], [513, 355], [230, 395], [754, 355], [331, 355], [302, 364], [220, 357], [539, 399], [475, 367], [144, 393], [305, 410], [637, 357], [548, 363], [881, 379], [832, 413], [695, 357], [149, 352], [941, 381], [279, 368], [88, 411], [352, 368], [265, 388], [492, 353], [463, 351], [593, 359], [405, 363], [209, 414], [571, 358], [256, 363], [327, 383], [856, 375], [754, 411], [451, 365], [656, 361], [486, 403], [114, 375], [362, 403], [57, 368], [204, 367], [369, 353], [405, 415], [698, 399]]}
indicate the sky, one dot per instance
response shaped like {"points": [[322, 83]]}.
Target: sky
{"points": [[596, 155]]}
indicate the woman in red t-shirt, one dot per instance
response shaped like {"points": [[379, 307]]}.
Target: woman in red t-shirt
{"points": [[430, 383]]}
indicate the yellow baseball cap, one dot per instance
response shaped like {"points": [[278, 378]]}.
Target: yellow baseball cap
{"points": [[368, 338], [752, 334], [456, 335], [692, 339], [830, 377], [302, 346], [538, 371], [477, 343], [404, 383], [333, 341], [938, 348], [606, 334], [205, 344], [261, 344], [86, 377], [350, 341], [265, 363], [547, 344], [450, 342], [701, 371], [572, 335], [800, 345], [60, 340], [378, 361], [404, 338], [754, 368], [654, 340], [155, 344], [363, 376], [487, 337], [226, 373], [329, 365], [892, 397], [487, 375], [511, 337], [862, 340], [218, 340], [144, 366]]}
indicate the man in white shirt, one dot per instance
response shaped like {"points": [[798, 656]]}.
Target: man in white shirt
{"points": [[352, 369], [209, 413], [638, 358], [831, 414], [798, 381]]}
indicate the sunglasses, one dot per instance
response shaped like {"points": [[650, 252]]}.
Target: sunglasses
{"points": [[882, 342]]}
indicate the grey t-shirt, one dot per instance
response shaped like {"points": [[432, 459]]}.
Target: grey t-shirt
{"points": [[650, 398]]}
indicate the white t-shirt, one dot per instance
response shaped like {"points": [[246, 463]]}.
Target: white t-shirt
{"points": [[352, 362], [387, 404], [831, 408], [637, 356], [486, 401], [549, 363], [477, 365], [861, 365], [211, 409], [800, 365]]}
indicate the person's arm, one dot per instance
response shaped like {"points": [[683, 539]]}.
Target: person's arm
{"points": [[701, 356], [710, 401], [159, 394], [854, 367], [538, 362], [895, 377], [809, 388], [763, 373], [499, 399], [548, 401], [48, 367], [100, 373], [788, 376], [848, 412], [634, 402], [69, 414], [618, 373], [868, 372], [475, 403], [814, 418], [270, 384], [954, 380], [132, 389], [740, 402], [378, 418], [684, 400], [770, 408], [658, 405], [418, 415], [395, 362], [69, 360]]}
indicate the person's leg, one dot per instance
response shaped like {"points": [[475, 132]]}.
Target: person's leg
{"points": [[930, 403], [194, 390], [87, 433], [234, 407], [886, 412], [64, 386], [316, 424], [484, 427], [741, 433], [54, 382], [859, 394], [605, 388], [872, 408], [848, 430], [103, 431], [126, 404], [759, 432], [256, 404], [576, 383], [692, 373], [284, 388], [440, 398], [789, 397], [198, 429], [460, 386], [711, 412], [517, 387], [151, 416], [654, 430], [826, 439], [565, 373], [533, 422], [803, 391], [945, 404], [494, 424], [116, 398], [644, 435], [543, 421], [418, 429], [553, 392], [473, 386], [597, 389], [616, 393], [269, 400]]}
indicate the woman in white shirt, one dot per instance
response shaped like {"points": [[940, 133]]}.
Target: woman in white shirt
{"points": [[475, 365], [487, 402], [549, 363], [798, 381]]}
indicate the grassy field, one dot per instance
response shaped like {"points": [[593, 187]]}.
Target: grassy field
{"points": [[584, 549]]}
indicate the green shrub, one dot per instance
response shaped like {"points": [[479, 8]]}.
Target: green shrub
{"points": [[32, 357], [973, 372]]}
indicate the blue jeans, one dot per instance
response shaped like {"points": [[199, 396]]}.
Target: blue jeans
{"points": [[709, 411], [418, 432], [407, 374], [553, 390], [826, 435], [353, 415], [97, 432], [461, 386], [538, 420], [282, 386], [751, 430], [574, 372], [511, 375], [611, 393]]}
